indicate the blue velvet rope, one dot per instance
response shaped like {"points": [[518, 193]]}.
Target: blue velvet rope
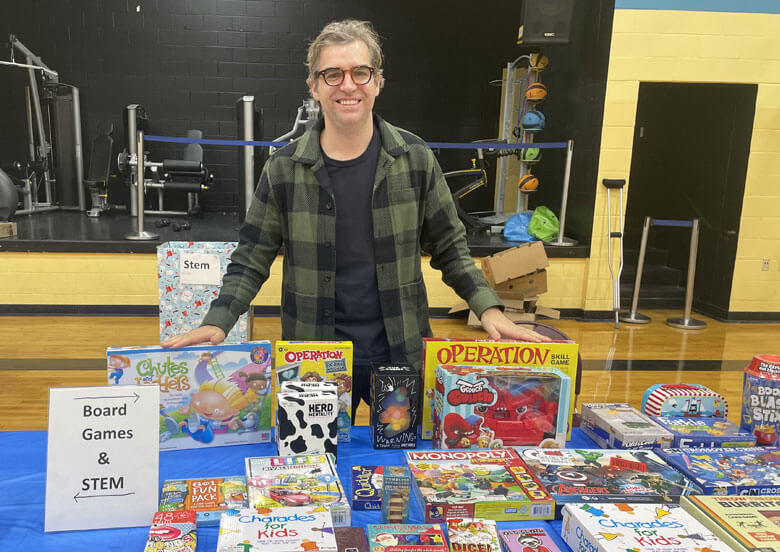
{"points": [[667, 222]]}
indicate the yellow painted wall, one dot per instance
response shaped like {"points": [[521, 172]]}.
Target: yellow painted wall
{"points": [[689, 46]]}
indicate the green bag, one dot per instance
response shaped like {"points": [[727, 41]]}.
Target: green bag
{"points": [[544, 224]]}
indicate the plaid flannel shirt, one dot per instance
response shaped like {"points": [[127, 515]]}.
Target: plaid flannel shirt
{"points": [[294, 206]]}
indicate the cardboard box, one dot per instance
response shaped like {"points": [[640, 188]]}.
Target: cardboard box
{"points": [[529, 285], [7, 229], [515, 262]]}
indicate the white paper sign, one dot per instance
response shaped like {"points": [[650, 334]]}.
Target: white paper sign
{"points": [[199, 269], [102, 463]]}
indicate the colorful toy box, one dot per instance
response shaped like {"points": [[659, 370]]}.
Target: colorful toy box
{"points": [[557, 354], [367, 487], [621, 426], [306, 423], [206, 497], [396, 494], [704, 432], [528, 539], [173, 531], [497, 406], [189, 275], [304, 361], [401, 537], [395, 406], [684, 399], [210, 396], [473, 535], [277, 530], [761, 399]]}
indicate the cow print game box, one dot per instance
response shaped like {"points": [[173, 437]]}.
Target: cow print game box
{"points": [[306, 423]]}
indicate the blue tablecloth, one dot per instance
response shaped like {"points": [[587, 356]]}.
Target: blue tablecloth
{"points": [[23, 488]]}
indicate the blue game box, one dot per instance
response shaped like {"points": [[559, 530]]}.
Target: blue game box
{"points": [[705, 432]]}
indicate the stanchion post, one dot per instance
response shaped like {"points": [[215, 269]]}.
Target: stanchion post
{"points": [[562, 240], [686, 322], [248, 158], [634, 317], [140, 234]]}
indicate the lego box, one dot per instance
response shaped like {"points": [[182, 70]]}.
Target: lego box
{"points": [[210, 396], [189, 275], [395, 404], [313, 361], [557, 354]]}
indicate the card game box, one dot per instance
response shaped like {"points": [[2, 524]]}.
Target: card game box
{"points": [[761, 399], [621, 426], [684, 399], [603, 475], [745, 523], [303, 480], [527, 539], [306, 423], [210, 396], [477, 483], [753, 471], [207, 497], [307, 361], [173, 531], [498, 406], [351, 539], [396, 494], [473, 535], [395, 406], [704, 432], [366, 487], [636, 527], [562, 355], [399, 537], [277, 530]]}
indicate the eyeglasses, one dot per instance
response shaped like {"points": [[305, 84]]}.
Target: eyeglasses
{"points": [[334, 76]]}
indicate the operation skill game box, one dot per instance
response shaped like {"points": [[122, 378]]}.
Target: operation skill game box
{"points": [[560, 354], [210, 396], [477, 483]]}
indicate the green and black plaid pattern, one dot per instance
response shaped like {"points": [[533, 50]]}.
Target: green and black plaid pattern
{"points": [[412, 211]]}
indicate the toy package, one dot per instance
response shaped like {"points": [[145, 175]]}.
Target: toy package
{"points": [[557, 354], [621, 426], [398, 537], [478, 483], [304, 480], [210, 396], [366, 487], [207, 497], [277, 530], [704, 432], [498, 406], [189, 275], [351, 539], [172, 531], [636, 527], [529, 539], [729, 470], [307, 361], [745, 523], [473, 535], [603, 475], [306, 423], [396, 494], [684, 399], [761, 399], [394, 408]]}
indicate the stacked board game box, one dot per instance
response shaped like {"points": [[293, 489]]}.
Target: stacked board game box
{"points": [[303, 480], [477, 483], [277, 530], [745, 523], [207, 497], [399, 537], [528, 539], [636, 528], [603, 476], [705, 432], [621, 426], [473, 535], [729, 470]]}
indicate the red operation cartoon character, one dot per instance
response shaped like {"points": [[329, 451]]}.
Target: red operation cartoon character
{"points": [[460, 432]]}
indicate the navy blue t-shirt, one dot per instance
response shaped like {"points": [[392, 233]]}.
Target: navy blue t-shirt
{"points": [[358, 312]]}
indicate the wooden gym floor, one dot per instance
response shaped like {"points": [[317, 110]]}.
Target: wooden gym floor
{"points": [[39, 352]]}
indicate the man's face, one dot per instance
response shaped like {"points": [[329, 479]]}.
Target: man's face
{"points": [[347, 105]]}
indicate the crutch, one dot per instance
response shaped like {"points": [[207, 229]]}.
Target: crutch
{"points": [[615, 184]]}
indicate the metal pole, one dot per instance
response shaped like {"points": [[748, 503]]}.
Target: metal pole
{"points": [[686, 322], [249, 157], [43, 145], [30, 131], [506, 132], [140, 234], [634, 317], [132, 150], [78, 153], [562, 240]]}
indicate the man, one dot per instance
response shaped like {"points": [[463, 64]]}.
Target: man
{"points": [[353, 201]]}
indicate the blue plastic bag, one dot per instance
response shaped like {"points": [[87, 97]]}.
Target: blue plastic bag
{"points": [[516, 227]]}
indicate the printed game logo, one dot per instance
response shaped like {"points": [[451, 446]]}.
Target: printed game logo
{"points": [[470, 393], [205, 493], [169, 375], [765, 404], [298, 356], [495, 353], [475, 454], [563, 489]]}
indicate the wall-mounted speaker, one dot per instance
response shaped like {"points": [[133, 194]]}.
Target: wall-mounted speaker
{"points": [[545, 22]]}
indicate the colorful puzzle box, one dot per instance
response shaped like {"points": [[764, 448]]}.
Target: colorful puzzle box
{"points": [[704, 432], [621, 426], [210, 396], [562, 355], [399, 537], [207, 497]]}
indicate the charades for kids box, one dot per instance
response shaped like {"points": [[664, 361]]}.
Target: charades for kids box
{"points": [[210, 396], [312, 361], [557, 354], [189, 275]]}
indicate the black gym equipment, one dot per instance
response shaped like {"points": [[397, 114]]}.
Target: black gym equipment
{"points": [[99, 171], [9, 197]]}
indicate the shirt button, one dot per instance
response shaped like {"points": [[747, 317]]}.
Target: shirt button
{"points": [[327, 278]]}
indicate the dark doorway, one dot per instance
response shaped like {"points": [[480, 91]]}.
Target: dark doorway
{"points": [[690, 155]]}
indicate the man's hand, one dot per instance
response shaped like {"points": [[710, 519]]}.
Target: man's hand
{"points": [[498, 326], [203, 335]]}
